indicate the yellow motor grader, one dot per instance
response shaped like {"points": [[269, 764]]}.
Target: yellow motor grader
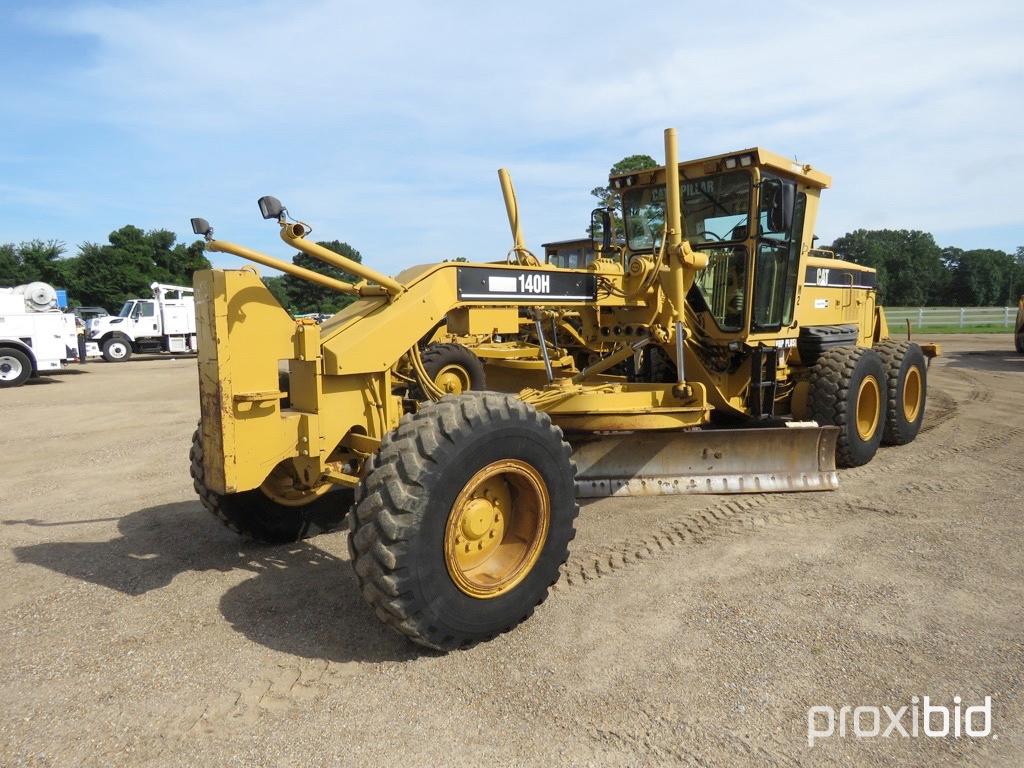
{"points": [[715, 351]]}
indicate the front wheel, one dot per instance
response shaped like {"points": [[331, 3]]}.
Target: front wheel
{"points": [[278, 512], [464, 519], [116, 350]]}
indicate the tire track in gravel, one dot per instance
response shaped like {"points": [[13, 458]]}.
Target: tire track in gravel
{"points": [[747, 513], [653, 737], [276, 689]]}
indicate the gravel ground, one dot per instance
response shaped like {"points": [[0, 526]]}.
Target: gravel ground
{"points": [[693, 631]]}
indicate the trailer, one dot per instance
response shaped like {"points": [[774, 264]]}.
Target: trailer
{"points": [[165, 322], [35, 336]]}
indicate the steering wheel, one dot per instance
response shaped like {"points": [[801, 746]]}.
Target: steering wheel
{"points": [[707, 233]]}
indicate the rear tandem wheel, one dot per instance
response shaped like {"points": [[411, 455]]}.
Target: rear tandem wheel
{"points": [[907, 384], [848, 390]]}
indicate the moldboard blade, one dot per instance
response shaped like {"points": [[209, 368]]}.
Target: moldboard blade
{"points": [[768, 460]]}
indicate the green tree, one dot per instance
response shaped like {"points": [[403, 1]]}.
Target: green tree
{"points": [[34, 260], [278, 290], [983, 277], [608, 197], [1018, 280], [909, 264], [11, 272], [304, 296], [106, 275]]}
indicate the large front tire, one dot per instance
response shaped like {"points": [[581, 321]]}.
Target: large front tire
{"points": [[848, 390], [255, 515], [463, 519]]}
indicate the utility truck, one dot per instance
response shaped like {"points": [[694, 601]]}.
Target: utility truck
{"points": [[35, 336], [166, 322]]}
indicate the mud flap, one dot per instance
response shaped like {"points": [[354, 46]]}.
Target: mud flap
{"points": [[768, 460]]}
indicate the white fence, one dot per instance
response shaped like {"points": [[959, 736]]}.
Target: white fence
{"points": [[963, 317]]}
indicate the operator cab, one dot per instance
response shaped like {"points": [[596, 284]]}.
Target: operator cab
{"points": [[748, 212]]}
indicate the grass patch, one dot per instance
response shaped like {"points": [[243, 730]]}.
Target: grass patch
{"points": [[897, 329]]}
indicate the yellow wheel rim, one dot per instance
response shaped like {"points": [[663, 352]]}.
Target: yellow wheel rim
{"points": [[868, 401], [453, 379], [912, 394], [497, 528], [282, 485]]}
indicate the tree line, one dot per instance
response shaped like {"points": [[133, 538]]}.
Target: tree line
{"points": [[913, 270], [106, 275]]}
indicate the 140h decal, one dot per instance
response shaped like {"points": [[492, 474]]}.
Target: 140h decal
{"points": [[554, 285]]}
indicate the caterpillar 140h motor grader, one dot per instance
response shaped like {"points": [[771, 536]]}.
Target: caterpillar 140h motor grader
{"points": [[732, 359]]}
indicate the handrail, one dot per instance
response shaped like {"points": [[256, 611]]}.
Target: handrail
{"points": [[223, 246], [294, 235]]}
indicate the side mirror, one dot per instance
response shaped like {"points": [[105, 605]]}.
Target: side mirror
{"points": [[202, 227], [778, 199], [601, 226], [270, 207]]}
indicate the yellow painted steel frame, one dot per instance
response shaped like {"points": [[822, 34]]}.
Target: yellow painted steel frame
{"points": [[341, 373], [342, 400], [243, 336]]}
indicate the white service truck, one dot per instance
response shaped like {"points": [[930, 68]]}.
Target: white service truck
{"points": [[35, 336], [164, 323]]}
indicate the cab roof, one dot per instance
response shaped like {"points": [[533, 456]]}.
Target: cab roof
{"points": [[742, 158]]}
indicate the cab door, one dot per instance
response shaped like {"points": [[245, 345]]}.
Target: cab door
{"points": [[777, 255], [144, 319]]}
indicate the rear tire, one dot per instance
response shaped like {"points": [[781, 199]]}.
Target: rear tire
{"points": [[421, 492], [906, 371], [454, 368], [15, 367], [117, 349], [848, 390], [1018, 341], [256, 516]]}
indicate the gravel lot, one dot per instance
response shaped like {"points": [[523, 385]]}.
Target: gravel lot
{"points": [[693, 631]]}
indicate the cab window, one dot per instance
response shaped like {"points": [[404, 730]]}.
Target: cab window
{"points": [[775, 268], [716, 208], [722, 285]]}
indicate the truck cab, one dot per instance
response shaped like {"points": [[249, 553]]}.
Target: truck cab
{"points": [[164, 323]]}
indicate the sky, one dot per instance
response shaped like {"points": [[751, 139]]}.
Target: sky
{"points": [[383, 124]]}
